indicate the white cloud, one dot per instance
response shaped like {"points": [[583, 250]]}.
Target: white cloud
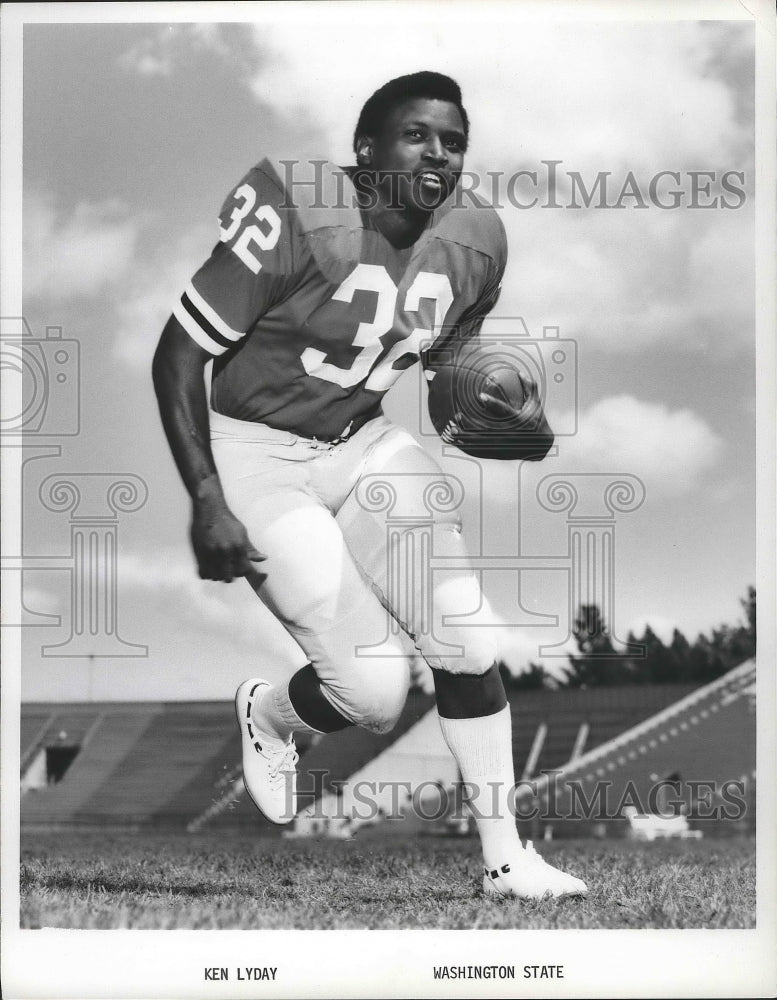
{"points": [[151, 290], [167, 47], [631, 279], [670, 450], [565, 91], [227, 614], [148, 58], [542, 90], [78, 254], [96, 251], [537, 90], [517, 649]]}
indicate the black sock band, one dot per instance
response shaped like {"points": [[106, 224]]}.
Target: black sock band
{"points": [[469, 696], [310, 704]]}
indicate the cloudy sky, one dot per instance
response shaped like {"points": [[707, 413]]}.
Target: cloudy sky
{"points": [[134, 133]]}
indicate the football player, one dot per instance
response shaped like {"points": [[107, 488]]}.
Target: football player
{"points": [[314, 301]]}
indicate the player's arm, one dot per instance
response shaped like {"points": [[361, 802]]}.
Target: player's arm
{"points": [[219, 539], [245, 274]]}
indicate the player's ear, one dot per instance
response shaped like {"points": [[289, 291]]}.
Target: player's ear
{"points": [[363, 151]]}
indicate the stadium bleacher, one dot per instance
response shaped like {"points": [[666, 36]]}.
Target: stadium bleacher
{"points": [[112, 730], [606, 710], [707, 736], [161, 764], [34, 725], [178, 764]]}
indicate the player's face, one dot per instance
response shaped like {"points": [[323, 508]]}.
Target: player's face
{"points": [[420, 149]]}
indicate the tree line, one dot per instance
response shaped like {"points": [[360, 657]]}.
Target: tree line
{"points": [[646, 660]]}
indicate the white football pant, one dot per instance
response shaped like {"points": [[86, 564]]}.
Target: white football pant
{"points": [[350, 532]]}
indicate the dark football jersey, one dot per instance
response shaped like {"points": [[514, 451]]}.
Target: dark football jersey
{"points": [[311, 314]]}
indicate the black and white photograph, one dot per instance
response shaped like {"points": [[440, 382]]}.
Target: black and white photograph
{"points": [[388, 471]]}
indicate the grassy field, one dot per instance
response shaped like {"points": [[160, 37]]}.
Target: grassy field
{"points": [[218, 881]]}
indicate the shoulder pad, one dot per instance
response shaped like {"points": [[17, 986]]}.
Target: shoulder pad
{"points": [[319, 192], [466, 219]]}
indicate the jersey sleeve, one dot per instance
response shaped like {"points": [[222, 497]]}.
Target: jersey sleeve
{"points": [[250, 267]]}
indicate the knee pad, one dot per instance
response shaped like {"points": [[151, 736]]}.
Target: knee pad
{"points": [[462, 638], [370, 691], [362, 665], [471, 650]]}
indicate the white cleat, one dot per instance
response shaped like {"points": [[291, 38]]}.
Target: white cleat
{"points": [[269, 764], [529, 877]]}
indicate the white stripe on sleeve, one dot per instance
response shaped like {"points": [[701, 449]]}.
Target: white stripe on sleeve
{"points": [[211, 315], [196, 332]]}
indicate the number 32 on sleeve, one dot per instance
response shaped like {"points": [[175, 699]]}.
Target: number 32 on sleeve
{"points": [[265, 239]]}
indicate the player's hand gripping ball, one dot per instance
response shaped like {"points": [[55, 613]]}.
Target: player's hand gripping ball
{"points": [[484, 401]]}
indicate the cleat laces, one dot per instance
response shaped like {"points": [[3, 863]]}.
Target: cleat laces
{"points": [[282, 759]]}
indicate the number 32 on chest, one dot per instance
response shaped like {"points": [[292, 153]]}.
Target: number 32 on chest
{"points": [[381, 376], [364, 277]]}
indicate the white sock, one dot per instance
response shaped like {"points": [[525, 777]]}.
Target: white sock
{"points": [[483, 749], [274, 714]]}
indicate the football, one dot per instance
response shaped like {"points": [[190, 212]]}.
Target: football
{"points": [[483, 400]]}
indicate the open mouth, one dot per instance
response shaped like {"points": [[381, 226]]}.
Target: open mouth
{"points": [[432, 188], [432, 180]]}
